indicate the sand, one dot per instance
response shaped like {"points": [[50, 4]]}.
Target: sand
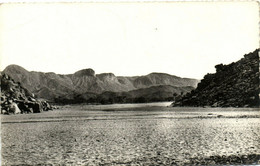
{"points": [[148, 135]]}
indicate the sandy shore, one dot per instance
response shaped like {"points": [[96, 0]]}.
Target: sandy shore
{"points": [[150, 135]]}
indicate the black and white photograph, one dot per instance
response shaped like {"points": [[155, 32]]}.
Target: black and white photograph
{"points": [[122, 83]]}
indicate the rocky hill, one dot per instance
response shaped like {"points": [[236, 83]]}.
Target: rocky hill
{"points": [[15, 99], [233, 85], [85, 82]]}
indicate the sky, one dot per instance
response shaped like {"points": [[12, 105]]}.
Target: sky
{"points": [[185, 39]]}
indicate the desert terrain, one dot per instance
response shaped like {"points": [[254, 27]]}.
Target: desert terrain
{"points": [[132, 134]]}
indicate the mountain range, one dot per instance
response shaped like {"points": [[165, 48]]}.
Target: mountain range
{"points": [[84, 85]]}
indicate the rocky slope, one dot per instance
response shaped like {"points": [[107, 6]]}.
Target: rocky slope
{"points": [[15, 99], [233, 85], [53, 86]]}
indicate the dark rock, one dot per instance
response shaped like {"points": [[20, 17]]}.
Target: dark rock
{"points": [[15, 99], [24, 107], [37, 107], [233, 85]]}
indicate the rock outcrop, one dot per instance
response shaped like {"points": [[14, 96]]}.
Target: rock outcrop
{"points": [[233, 85], [51, 86], [17, 100], [85, 72]]}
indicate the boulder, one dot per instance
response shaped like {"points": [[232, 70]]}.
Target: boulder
{"points": [[35, 106], [24, 107], [13, 108]]}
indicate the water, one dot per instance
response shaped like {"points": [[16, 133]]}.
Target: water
{"points": [[130, 134]]}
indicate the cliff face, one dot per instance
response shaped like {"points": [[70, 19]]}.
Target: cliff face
{"points": [[15, 99], [233, 85], [53, 86]]}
